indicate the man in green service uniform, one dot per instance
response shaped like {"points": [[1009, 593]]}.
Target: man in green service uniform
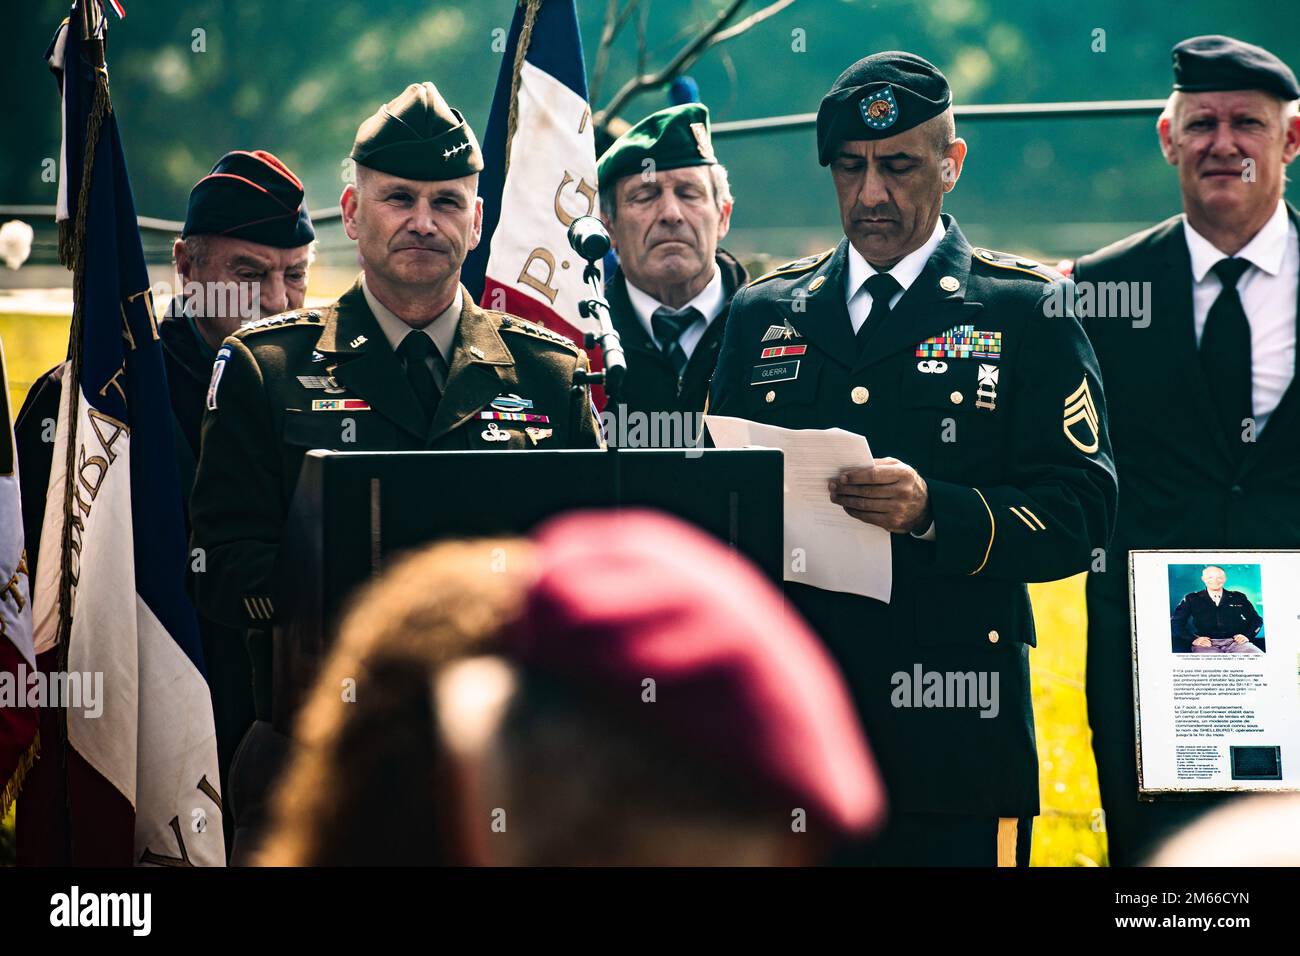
{"points": [[992, 466], [404, 360], [666, 202]]}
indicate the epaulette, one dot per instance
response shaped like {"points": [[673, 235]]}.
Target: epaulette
{"points": [[795, 267], [309, 317], [1006, 260], [511, 323]]}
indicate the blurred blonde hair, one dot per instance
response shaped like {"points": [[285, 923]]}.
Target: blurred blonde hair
{"points": [[363, 787]]}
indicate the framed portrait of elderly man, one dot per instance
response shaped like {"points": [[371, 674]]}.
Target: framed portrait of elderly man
{"points": [[1216, 661]]}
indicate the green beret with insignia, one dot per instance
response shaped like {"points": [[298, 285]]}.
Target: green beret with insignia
{"points": [[418, 136], [880, 96], [672, 138]]}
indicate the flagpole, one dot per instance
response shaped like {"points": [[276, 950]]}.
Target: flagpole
{"points": [[72, 253]]}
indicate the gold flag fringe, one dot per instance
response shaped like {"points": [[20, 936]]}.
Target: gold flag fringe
{"points": [[15, 784]]}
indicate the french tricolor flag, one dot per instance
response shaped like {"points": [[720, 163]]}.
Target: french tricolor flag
{"points": [[539, 174], [138, 781]]}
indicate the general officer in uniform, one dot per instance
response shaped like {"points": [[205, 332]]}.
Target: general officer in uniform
{"points": [[992, 464], [404, 360], [665, 199], [1212, 463]]}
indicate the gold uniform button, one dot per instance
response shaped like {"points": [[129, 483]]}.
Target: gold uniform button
{"points": [[949, 284], [770, 397], [993, 637], [955, 398], [859, 395]]}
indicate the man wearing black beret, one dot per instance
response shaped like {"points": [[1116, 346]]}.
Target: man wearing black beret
{"points": [[1214, 465], [992, 464], [243, 253], [404, 360], [666, 201]]}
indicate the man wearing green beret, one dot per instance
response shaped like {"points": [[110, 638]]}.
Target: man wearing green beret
{"points": [[403, 361], [665, 200], [992, 466]]}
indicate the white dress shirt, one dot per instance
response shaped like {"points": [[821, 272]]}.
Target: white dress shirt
{"points": [[905, 272], [1268, 294], [441, 331], [709, 303]]}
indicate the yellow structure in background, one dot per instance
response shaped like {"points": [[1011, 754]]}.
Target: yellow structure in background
{"points": [[1069, 831]]}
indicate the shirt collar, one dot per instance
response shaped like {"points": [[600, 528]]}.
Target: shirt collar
{"points": [[442, 330], [709, 302], [1264, 251], [905, 271]]}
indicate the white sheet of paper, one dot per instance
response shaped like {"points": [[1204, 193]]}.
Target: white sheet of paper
{"points": [[824, 546]]}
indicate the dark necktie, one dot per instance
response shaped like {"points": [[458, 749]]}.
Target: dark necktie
{"points": [[882, 287], [668, 327], [414, 352], [1225, 352]]}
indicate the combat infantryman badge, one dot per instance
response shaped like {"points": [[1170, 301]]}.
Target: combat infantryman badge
{"points": [[1080, 411]]}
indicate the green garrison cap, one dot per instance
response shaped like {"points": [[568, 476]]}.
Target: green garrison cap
{"points": [[673, 138], [418, 136]]}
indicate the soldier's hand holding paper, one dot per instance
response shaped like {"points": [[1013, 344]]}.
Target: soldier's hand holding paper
{"points": [[889, 493]]}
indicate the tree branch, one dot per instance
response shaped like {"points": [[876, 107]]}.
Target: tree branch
{"points": [[615, 20], [751, 21], [682, 61]]}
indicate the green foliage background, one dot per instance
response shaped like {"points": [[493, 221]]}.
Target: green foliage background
{"points": [[296, 77]]}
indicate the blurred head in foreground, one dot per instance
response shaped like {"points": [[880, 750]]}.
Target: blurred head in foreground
{"points": [[1261, 830], [620, 689]]}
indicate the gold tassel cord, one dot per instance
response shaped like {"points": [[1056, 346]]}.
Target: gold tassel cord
{"points": [[521, 50], [15, 784]]}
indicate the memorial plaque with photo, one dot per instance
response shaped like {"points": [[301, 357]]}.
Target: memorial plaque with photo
{"points": [[1216, 657]]}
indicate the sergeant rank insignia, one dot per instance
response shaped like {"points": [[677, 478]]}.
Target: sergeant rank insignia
{"points": [[962, 341], [1080, 421]]}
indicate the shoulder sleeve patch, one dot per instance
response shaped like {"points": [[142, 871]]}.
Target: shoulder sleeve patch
{"points": [[796, 267], [218, 366]]}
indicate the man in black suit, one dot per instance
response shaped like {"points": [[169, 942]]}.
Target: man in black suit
{"points": [[1214, 620], [992, 463], [1206, 412], [665, 200]]}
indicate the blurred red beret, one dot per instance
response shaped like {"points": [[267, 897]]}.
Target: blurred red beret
{"points": [[740, 679]]}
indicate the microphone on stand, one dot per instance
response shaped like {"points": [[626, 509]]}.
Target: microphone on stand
{"points": [[588, 238]]}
